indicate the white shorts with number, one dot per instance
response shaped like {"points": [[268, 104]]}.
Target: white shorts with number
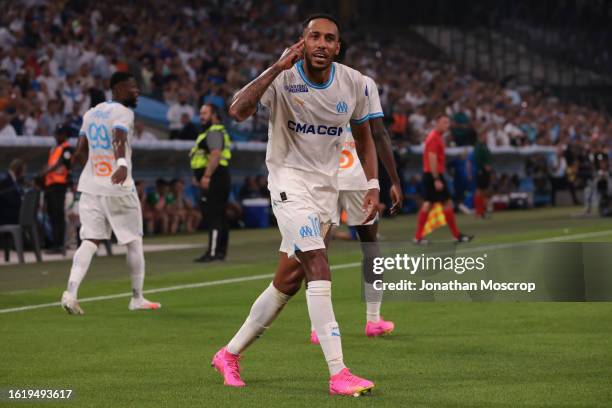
{"points": [[302, 223], [351, 201], [102, 215]]}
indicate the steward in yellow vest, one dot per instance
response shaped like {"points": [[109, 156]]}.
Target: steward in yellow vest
{"points": [[210, 165]]}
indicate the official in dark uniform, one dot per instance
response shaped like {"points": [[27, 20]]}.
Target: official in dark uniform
{"points": [[57, 174], [210, 164]]}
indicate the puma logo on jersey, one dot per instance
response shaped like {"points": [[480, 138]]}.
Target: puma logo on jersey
{"points": [[307, 128]]}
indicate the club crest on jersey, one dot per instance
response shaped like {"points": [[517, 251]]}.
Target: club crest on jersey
{"points": [[312, 229], [296, 88], [342, 107]]}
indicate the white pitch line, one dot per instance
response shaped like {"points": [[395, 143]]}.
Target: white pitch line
{"points": [[268, 276], [167, 289]]}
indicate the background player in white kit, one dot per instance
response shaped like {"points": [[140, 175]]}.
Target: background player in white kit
{"points": [[310, 102], [109, 202], [353, 186]]}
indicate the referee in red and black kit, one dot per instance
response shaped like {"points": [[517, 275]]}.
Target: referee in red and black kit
{"points": [[434, 185]]}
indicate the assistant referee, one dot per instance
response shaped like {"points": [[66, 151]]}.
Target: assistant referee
{"points": [[434, 185], [210, 164]]}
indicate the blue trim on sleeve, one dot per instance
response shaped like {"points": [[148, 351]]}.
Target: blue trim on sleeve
{"points": [[362, 120], [81, 133], [300, 70], [120, 127], [376, 115]]}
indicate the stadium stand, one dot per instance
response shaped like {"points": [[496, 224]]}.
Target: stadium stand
{"points": [[56, 58]]}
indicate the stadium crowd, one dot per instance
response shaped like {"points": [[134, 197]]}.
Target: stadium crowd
{"points": [[56, 58]]}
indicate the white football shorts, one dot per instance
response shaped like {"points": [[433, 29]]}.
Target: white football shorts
{"points": [[102, 215], [351, 201], [302, 222]]}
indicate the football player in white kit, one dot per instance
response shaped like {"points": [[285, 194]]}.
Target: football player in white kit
{"points": [[311, 99], [353, 186], [109, 202]]}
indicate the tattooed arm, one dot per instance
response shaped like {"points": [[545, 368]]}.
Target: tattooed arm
{"points": [[244, 103]]}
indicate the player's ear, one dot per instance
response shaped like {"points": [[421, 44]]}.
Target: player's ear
{"points": [[337, 52]]}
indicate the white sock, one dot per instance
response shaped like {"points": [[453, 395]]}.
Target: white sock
{"points": [[263, 312], [373, 299], [321, 313], [80, 265], [308, 306], [136, 263]]}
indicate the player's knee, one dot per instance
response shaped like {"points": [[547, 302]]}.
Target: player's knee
{"points": [[315, 265], [288, 287], [426, 206], [95, 242], [135, 245]]}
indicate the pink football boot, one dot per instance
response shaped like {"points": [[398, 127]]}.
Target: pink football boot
{"points": [[314, 339], [345, 383], [380, 328], [227, 365]]}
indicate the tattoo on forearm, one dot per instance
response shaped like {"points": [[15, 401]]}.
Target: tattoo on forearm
{"points": [[245, 101]]}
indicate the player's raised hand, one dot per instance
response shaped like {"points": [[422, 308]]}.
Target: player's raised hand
{"points": [[397, 199], [370, 205], [291, 55], [119, 175]]}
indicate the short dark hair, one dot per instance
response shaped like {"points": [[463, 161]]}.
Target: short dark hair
{"points": [[323, 16], [119, 77], [215, 109]]}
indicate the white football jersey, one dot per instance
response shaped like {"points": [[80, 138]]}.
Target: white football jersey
{"points": [[98, 125], [351, 175], [307, 126]]}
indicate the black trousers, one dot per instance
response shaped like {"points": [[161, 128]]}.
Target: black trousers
{"points": [[214, 201], [55, 196]]}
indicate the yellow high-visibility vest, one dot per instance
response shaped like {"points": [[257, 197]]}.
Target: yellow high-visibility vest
{"points": [[199, 157]]}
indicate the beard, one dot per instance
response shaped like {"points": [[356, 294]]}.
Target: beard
{"points": [[206, 125], [311, 67]]}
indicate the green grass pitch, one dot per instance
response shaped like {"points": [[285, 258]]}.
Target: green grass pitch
{"points": [[440, 355]]}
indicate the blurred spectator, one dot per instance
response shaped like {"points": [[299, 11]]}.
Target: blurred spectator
{"points": [[74, 121], [52, 118], [558, 175], [57, 177], [6, 129], [189, 131], [11, 192], [155, 210], [175, 113], [182, 210], [399, 125], [413, 191], [31, 124], [262, 183], [484, 172], [461, 171], [250, 189], [141, 134], [461, 130]]}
